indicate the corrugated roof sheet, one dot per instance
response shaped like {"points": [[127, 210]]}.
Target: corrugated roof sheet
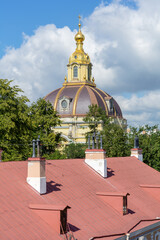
{"points": [[71, 182]]}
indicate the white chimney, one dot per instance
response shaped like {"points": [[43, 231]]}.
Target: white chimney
{"points": [[96, 159], [36, 174]]}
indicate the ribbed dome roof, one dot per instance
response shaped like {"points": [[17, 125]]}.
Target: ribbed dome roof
{"points": [[80, 97]]}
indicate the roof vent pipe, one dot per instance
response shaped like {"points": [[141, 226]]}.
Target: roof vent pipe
{"points": [[136, 142], [136, 151]]}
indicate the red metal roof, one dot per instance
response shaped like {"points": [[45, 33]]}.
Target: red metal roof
{"points": [[73, 183]]}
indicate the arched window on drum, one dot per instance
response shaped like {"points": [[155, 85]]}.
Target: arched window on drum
{"points": [[75, 71]]}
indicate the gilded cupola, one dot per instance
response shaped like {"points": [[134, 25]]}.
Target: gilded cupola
{"points": [[79, 56], [79, 67]]}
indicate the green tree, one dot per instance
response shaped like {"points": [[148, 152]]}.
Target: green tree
{"points": [[14, 122], [75, 150], [149, 141], [115, 140], [19, 123], [43, 119], [94, 117]]}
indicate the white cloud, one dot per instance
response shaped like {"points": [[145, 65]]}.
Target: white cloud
{"points": [[131, 46], [124, 47], [39, 65], [141, 110]]}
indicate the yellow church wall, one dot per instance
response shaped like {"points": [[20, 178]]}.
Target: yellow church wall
{"points": [[75, 129]]}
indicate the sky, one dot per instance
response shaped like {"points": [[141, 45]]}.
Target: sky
{"points": [[122, 39]]}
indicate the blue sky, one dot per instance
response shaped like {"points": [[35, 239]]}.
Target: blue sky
{"points": [[122, 40], [24, 16]]}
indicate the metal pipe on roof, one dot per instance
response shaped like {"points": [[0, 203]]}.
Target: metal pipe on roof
{"points": [[101, 144], [93, 139], [38, 147], [34, 150], [136, 142], [97, 138], [89, 141]]}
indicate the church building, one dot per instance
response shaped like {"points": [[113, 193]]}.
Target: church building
{"points": [[79, 90]]}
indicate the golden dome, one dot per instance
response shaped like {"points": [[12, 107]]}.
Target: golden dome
{"points": [[79, 36], [79, 56]]}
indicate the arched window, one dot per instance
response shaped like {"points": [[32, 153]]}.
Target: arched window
{"points": [[75, 71]]}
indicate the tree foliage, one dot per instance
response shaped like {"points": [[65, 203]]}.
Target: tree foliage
{"points": [[43, 119], [20, 123], [115, 140], [75, 150], [149, 141], [94, 117], [14, 121]]}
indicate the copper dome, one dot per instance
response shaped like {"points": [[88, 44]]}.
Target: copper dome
{"points": [[79, 98]]}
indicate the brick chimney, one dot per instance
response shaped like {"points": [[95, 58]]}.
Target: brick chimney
{"points": [[36, 176], [136, 151]]}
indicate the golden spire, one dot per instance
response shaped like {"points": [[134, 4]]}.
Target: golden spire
{"points": [[79, 37]]}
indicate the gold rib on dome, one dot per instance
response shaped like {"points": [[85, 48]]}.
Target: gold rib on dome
{"points": [[79, 56], [76, 99], [57, 97], [105, 105]]}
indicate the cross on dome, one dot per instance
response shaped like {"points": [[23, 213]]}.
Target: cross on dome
{"points": [[79, 22], [79, 36]]}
